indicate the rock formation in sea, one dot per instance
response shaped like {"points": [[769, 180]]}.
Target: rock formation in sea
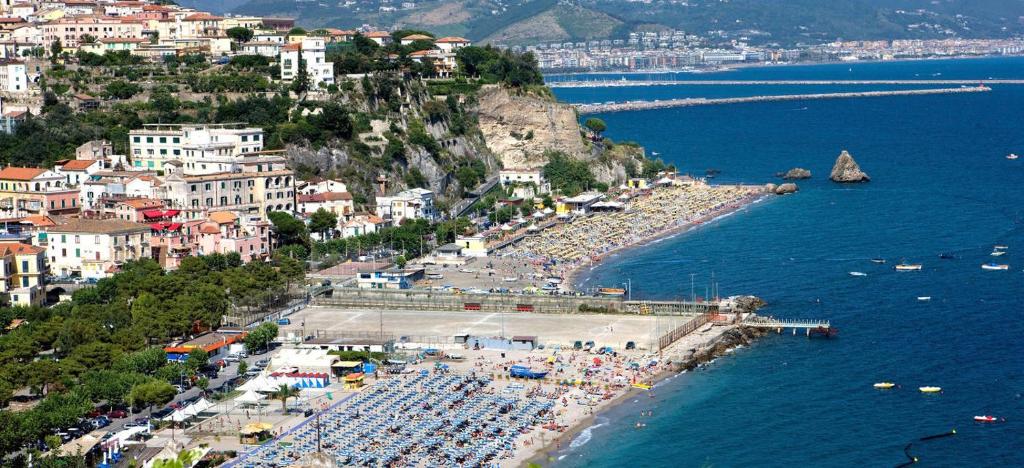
{"points": [[847, 170], [797, 173], [786, 189]]}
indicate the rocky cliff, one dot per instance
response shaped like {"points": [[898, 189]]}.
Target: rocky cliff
{"points": [[847, 170], [520, 128]]}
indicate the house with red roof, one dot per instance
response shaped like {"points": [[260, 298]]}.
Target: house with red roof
{"points": [[31, 190]]}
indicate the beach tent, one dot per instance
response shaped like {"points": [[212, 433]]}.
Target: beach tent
{"points": [[250, 397], [178, 416], [259, 384]]}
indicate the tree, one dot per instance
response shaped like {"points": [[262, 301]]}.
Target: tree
{"points": [[56, 49], [197, 359], [261, 336], [203, 383], [322, 222], [301, 82], [292, 269], [240, 34], [596, 126], [288, 229], [283, 393], [150, 394], [567, 175], [242, 367], [87, 39], [401, 261]]}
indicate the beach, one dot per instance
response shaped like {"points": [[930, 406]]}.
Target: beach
{"points": [[565, 248]]}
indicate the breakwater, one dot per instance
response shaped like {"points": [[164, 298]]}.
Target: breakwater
{"points": [[629, 83], [687, 102]]}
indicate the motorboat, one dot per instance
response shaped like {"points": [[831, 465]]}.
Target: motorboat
{"points": [[877, 260], [1000, 247], [998, 253], [908, 267], [930, 389], [924, 298], [986, 419], [1012, 156], [995, 267], [642, 386], [858, 273], [884, 385], [611, 291]]}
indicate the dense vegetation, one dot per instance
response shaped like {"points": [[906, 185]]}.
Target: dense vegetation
{"points": [[104, 345]]}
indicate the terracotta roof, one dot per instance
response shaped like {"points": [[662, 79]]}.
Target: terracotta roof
{"points": [[11, 20], [99, 226], [417, 37], [17, 248], [373, 34], [326, 196], [138, 203], [209, 228], [20, 173], [452, 39], [340, 32], [223, 217], [292, 46], [39, 220], [78, 164], [203, 17]]}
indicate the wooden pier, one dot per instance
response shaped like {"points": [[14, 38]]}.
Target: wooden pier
{"points": [[688, 102], [810, 326]]}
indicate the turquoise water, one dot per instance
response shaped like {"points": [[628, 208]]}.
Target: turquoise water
{"points": [[940, 183]]}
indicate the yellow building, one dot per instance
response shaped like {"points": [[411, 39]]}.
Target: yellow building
{"points": [[472, 246], [22, 269], [637, 183]]}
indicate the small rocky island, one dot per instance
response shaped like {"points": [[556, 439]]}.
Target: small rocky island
{"points": [[781, 189], [846, 170], [797, 173]]}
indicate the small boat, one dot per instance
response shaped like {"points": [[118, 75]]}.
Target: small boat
{"points": [[1012, 156], [908, 267], [642, 386], [986, 419], [930, 389], [998, 253], [924, 298], [858, 273], [884, 385], [995, 267], [1000, 247], [877, 260], [611, 291]]}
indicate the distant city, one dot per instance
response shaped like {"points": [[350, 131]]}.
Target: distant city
{"points": [[677, 50]]}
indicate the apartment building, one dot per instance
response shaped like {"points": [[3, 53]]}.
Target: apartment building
{"points": [[96, 248], [22, 274], [252, 189], [13, 77], [69, 31], [417, 203], [203, 149], [313, 52], [28, 191]]}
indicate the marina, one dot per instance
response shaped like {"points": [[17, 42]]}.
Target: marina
{"points": [[688, 102]]}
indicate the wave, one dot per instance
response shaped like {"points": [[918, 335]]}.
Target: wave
{"points": [[586, 434]]}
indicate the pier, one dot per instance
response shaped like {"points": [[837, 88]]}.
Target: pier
{"points": [[630, 83], [810, 326], [688, 102]]}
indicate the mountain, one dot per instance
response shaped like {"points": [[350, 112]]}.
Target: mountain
{"points": [[784, 22]]}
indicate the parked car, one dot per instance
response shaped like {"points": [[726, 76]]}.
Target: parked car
{"points": [[232, 358], [262, 363], [163, 413], [100, 422]]}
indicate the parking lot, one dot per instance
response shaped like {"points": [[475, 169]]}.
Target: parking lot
{"points": [[551, 329]]}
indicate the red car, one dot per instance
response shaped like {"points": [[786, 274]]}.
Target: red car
{"points": [[117, 414]]}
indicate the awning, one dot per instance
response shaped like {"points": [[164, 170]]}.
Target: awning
{"points": [[173, 226], [171, 213], [354, 377], [158, 226], [347, 364], [152, 213], [249, 397]]}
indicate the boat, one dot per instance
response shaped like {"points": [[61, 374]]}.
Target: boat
{"points": [[986, 419], [858, 273], [884, 385], [998, 253], [877, 260], [611, 291], [924, 298], [908, 267], [995, 267], [930, 389], [1012, 156], [641, 386], [1000, 247]]}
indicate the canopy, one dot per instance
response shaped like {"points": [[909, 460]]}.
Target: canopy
{"points": [[80, 445], [152, 213], [178, 416], [259, 384], [347, 364], [256, 427], [249, 397], [354, 377]]}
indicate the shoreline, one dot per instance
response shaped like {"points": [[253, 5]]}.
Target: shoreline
{"points": [[570, 276], [740, 66], [732, 337]]}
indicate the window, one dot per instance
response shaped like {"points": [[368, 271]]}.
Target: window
{"points": [[24, 266], [149, 163], [223, 201], [163, 139], [149, 139], [136, 140], [176, 140], [255, 138], [207, 186], [24, 281], [163, 151], [177, 152], [78, 253], [245, 138], [193, 186]]}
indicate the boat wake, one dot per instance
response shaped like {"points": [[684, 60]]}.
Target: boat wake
{"points": [[587, 434]]}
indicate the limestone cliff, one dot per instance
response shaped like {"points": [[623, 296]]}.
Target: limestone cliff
{"points": [[847, 170], [519, 129]]}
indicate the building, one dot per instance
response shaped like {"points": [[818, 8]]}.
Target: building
{"points": [[320, 186], [472, 246], [13, 77], [451, 44], [382, 38], [95, 248], [215, 344], [362, 224], [69, 31], [311, 51], [339, 203], [94, 150], [392, 278], [203, 149], [252, 188], [28, 191], [525, 183], [226, 232], [77, 171], [417, 203], [22, 274]]}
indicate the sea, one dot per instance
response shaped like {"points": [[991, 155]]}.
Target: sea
{"points": [[940, 184]]}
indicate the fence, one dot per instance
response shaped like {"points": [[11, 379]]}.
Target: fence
{"points": [[447, 301], [683, 330]]}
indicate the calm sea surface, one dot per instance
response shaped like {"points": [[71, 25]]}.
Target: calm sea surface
{"points": [[940, 183]]}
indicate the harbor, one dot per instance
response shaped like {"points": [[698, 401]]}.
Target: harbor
{"points": [[599, 108]]}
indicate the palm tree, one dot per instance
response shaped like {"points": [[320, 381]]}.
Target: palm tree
{"points": [[283, 393]]}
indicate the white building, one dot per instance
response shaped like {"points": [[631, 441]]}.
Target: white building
{"points": [[414, 203], [13, 78], [526, 183], [203, 149], [313, 52], [95, 248]]}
